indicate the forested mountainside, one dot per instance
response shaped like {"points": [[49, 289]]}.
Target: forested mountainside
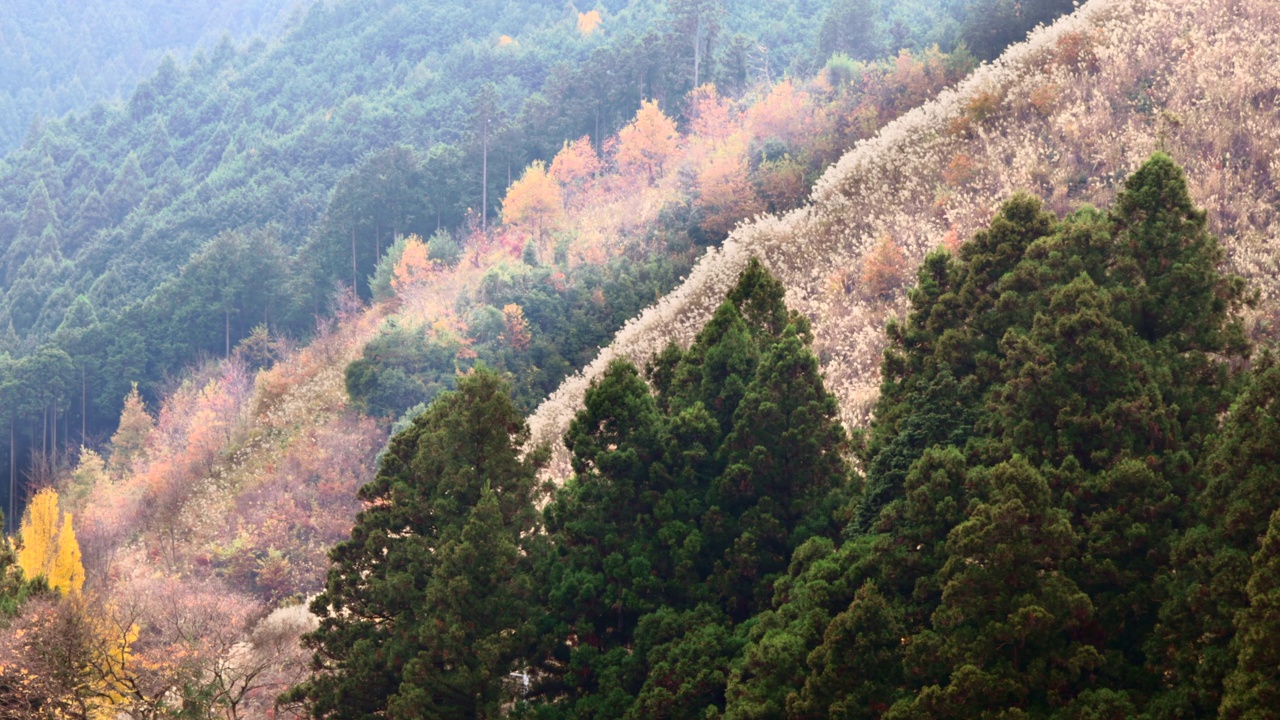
{"points": [[1052, 497], [1065, 115], [242, 188], [1057, 515], [231, 494], [65, 56]]}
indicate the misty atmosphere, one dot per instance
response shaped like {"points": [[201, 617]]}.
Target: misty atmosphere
{"points": [[631, 359]]}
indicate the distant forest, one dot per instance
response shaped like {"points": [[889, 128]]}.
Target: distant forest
{"points": [[60, 57], [234, 190]]}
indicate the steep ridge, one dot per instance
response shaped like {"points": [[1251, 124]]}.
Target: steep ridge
{"points": [[1066, 115]]}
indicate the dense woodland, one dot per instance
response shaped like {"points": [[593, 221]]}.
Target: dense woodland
{"points": [[240, 189], [1065, 509], [87, 51], [270, 446]]}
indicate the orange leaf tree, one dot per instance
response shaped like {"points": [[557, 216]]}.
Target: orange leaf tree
{"points": [[725, 193], [533, 201], [516, 332], [649, 143], [589, 22], [884, 269], [414, 265], [575, 165]]}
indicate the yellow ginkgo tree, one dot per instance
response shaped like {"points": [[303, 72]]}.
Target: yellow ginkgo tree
{"points": [[47, 545]]}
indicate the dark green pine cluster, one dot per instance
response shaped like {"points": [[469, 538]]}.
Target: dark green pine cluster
{"points": [[687, 501], [1061, 519], [690, 493], [1070, 510]]}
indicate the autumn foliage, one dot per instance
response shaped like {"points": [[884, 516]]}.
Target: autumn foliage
{"points": [[47, 546], [648, 144], [575, 166], [414, 266], [534, 201], [589, 22], [885, 269], [516, 332]]}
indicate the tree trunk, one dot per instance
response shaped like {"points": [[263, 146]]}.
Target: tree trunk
{"points": [[697, 51], [226, 313], [13, 472], [353, 255], [484, 181], [84, 408]]}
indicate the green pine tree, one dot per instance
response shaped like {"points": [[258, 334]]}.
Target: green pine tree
{"points": [[1253, 688], [424, 611]]}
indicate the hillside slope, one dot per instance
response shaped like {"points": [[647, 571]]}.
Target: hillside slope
{"points": [[66, 56], [1066, 115]]}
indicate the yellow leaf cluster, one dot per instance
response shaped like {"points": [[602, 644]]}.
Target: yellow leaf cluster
{"points": [[589, 22], [48, 546]]}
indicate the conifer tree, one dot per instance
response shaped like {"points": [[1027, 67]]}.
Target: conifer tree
{"points": [[129, 443], [1009, 619], [423, 613], [1204, 585], [784, 463], [1253, 688]]}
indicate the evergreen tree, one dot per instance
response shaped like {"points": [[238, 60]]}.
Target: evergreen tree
{"points": [[784, 464], [1253, 688], [1204, 584], [851, 27], [1009, 621], [1030, 466], [684, 508], [425, 607]]}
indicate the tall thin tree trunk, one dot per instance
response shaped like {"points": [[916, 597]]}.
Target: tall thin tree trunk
{"points": [[226, 313], [484, 180], [13, 471], [353, 256], [697, 51], [84, 407]]}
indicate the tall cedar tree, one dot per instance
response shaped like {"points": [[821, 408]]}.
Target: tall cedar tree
{"points": [[689, 496], [429, 603], [1033, 458]]}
